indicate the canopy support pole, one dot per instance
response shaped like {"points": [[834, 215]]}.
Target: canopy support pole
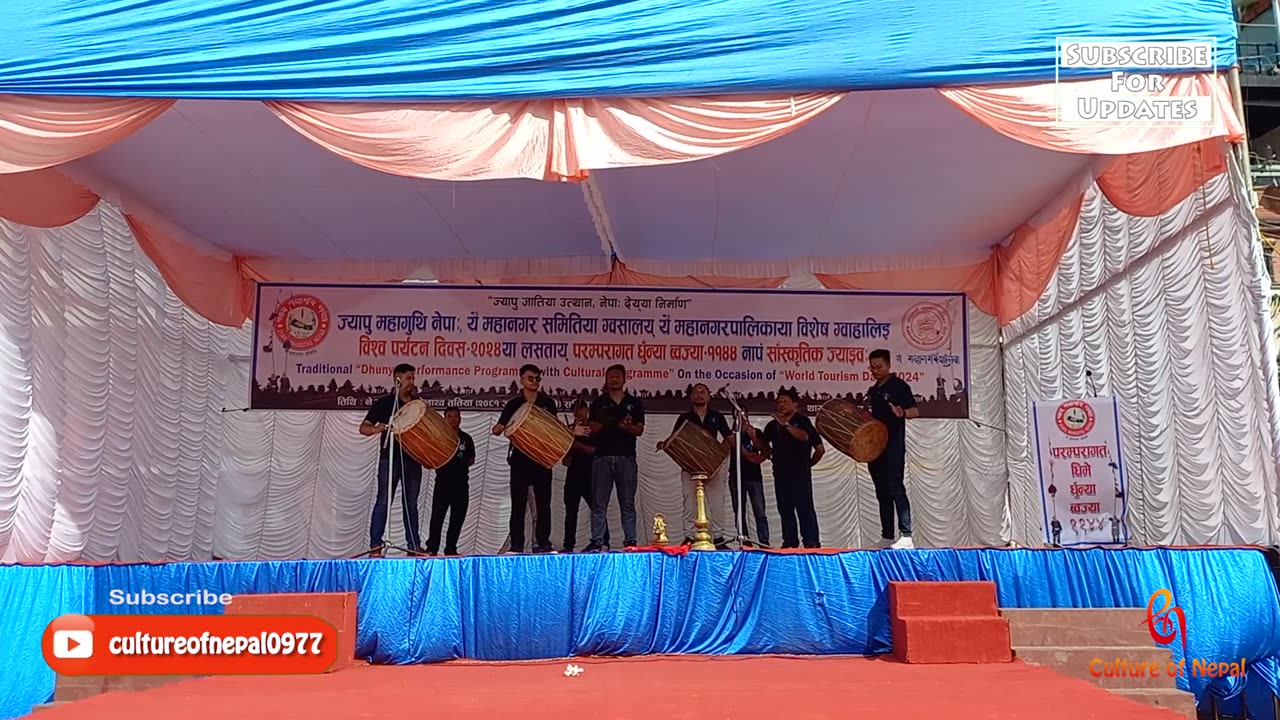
{"points": [[1237, 99]]}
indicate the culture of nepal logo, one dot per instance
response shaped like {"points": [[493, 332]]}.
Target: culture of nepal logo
{"points": [[1166, 624], [927, 326], [302, 322]]}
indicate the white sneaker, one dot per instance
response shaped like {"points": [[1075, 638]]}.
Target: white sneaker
{"points": [[904, 543]]}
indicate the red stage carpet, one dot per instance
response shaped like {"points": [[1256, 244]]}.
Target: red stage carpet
{"points": [[696, 688]]}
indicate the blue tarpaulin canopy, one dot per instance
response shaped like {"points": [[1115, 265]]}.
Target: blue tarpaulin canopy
{"points": [[473, 49]]}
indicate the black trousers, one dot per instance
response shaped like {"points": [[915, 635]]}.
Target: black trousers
{"points": [[577, 491], [793, 488], [452, 496], [887, 472], [524, 476]]}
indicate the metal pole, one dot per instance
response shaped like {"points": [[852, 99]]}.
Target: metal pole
{"points": [[1275, 21], [1237, 99]]}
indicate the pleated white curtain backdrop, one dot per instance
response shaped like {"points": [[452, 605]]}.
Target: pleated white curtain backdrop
{"points": [[1170, 315], [114, 445]]}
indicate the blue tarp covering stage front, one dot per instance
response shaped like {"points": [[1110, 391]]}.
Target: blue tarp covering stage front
{"points": [[463, 49], [527, 607]]}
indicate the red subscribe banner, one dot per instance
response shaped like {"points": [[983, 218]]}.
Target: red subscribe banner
{"points": [[190, 645]]}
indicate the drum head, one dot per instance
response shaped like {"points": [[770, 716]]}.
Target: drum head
{"points": [[521, 415], [408, 416]]}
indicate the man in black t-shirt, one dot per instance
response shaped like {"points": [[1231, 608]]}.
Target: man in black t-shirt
{"points": [[577, 482], [526, 472], [892, 403], [795, 447], [702, 415], [453, 489], [617, 419], [378, 422], [752, 457]]}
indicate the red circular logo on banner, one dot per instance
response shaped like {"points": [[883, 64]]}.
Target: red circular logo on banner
{"points": [[1075, 418], [302, 322], [927, 326]]}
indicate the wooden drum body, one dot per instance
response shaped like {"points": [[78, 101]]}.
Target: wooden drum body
{"points": [[852, 430], [695, 450], [538, 434], [424, 434]]}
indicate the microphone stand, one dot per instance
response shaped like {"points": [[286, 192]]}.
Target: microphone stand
{"points": [[739, 510], [390, 439]]}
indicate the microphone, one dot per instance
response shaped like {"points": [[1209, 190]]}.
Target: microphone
{"points": [[1093, 389]]}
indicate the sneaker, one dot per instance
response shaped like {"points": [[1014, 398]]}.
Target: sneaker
{"points": [[629, 544], [541, 549], [594, 548], [904, 543]]}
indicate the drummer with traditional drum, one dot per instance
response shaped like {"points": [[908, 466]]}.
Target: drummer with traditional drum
{"points": [[892, 403], [794, 447], [407, 469], [526, 472], [714, 423]]}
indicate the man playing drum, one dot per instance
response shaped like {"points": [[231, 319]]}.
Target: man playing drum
{"points": [[526, 472], [795, 447], [892, 403], [713, 422], [617, 419], [453, 489], [378, 422], [577, 482]]}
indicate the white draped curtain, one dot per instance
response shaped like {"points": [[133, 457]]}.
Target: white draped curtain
{"points": [[1171, 316], [114, 443]]}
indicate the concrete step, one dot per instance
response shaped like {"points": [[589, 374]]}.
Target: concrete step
{"points": [[1183, 703], [70, 688], [1112, 627], [1108, 667]]}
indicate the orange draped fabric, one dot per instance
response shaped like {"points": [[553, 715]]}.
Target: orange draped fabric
{"points": [[42, 132]]}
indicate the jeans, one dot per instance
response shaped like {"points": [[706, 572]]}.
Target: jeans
{"points": [[451, 496], [887, 473], [794, 491], [754, 489], [412, 474], [523, 476], [605, 473]]}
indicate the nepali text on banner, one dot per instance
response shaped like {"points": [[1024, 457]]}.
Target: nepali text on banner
{"points": [[333, 347]]}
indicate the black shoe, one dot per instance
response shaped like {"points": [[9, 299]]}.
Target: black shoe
{"points": [[687, 542], [630, 544], [541, 549], [566, 549], [721, 544], [595, 548]]}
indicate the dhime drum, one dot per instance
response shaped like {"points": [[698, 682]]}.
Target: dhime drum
{"points": [[695, 450], [852, 430], [424, 434], [539, 435]]}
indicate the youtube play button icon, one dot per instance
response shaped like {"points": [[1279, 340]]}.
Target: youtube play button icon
{"points": [[68, 642]]}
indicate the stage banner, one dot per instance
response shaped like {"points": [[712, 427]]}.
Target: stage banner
{"points": [[333, 347], [1077, 447]]}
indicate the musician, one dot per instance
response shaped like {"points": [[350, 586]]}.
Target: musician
{"points": [[795, 447], [525, 471], [892, 403], [378, 422], [713, 422], [617, 419], [577, 483], [453, 489], [752, 457]]}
